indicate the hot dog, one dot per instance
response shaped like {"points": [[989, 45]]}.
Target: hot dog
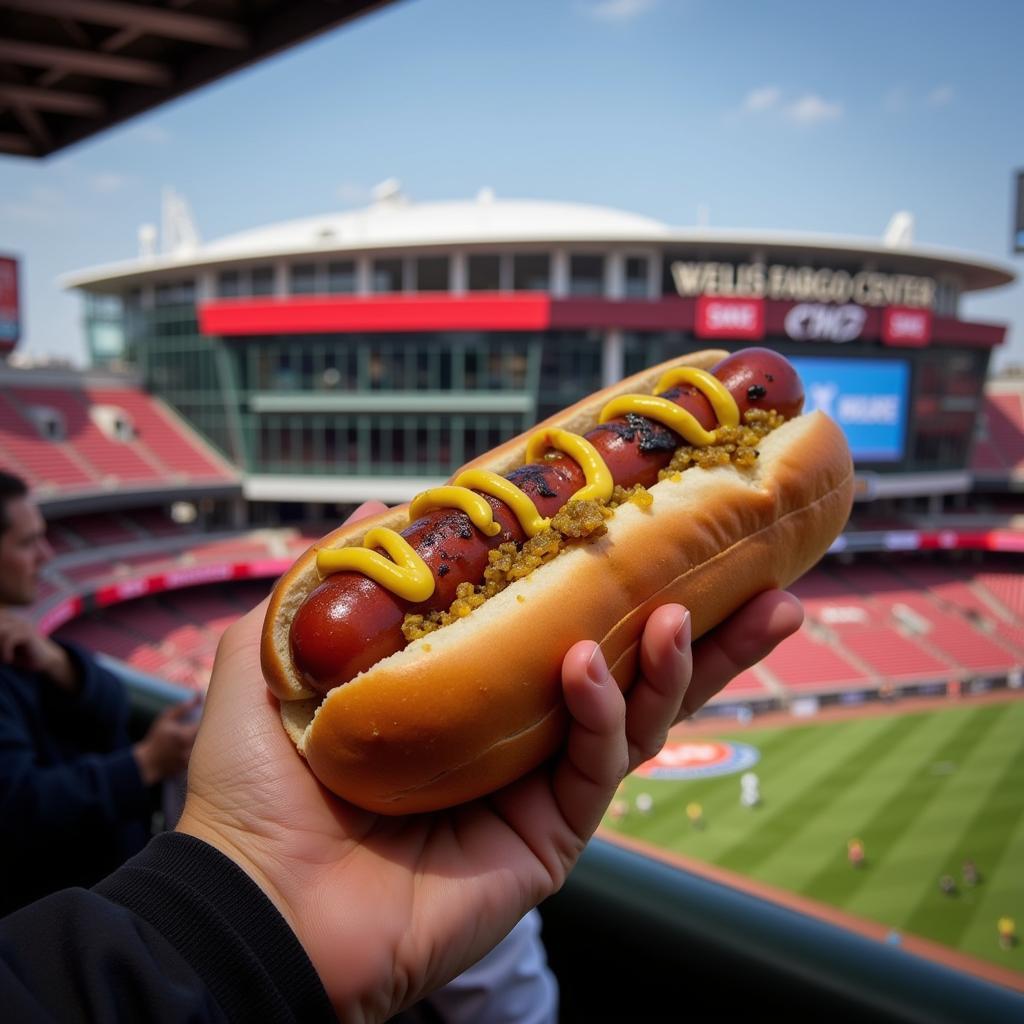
{"points": [[402, 701]]}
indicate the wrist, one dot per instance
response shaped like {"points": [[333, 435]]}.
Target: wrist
{"points": [[144, 760], [233, 844], [59, 667]]}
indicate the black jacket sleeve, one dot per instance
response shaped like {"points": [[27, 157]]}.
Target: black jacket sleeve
{"points": [[179, 934], [100, 705], [65, 760]]}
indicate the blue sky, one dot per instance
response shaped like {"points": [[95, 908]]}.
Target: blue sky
{"points": [[788, 115]]}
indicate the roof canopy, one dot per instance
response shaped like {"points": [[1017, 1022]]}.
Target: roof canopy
{"points": [[71, 68], [394, 224]]}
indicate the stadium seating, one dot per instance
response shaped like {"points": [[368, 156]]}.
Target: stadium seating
{"points": [[748, 685], [159, 434], [868, 625], [1007, 587], [100, 530], [159, 450], [805, 662], [112, 460], [48, 466], [1000, 446]]}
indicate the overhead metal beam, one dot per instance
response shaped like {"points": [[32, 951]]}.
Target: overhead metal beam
{"points": [[98, 65], [174, 67], [119, 40], [194, 28], [11, 142], [57, 101], [34, 125]]}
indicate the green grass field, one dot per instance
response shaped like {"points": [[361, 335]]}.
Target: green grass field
{"points": [[923, 791]]}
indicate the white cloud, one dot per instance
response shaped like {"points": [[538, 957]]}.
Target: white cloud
{"points": [[896, 101], [617, 10], [812, 109], [940, 96], [761, 99], [153, 134], [107, 182], [43, 205], [351, 193]]}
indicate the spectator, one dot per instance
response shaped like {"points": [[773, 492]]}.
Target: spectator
{"points": [[970, 874], [75, 800], [273, 903], [750, 789], [695, 813], [855, 853]]}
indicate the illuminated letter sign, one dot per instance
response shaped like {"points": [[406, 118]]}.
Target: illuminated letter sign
{"points": [[10, 318], [817, 322], [729, 318], [1018, 235], [908, 328], [783, 283]]}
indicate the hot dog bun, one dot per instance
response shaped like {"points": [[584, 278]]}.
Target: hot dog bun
{"points": [[478, 703]]}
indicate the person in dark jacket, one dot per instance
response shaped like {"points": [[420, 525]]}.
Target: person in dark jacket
{"points": [[274, 901], [75, 799]]}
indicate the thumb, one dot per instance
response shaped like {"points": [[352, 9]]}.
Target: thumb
{"points": [[181, 711]]}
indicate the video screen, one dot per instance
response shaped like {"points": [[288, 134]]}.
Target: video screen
{"points": [[868, 398]]}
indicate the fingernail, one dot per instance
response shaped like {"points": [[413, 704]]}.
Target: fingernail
{"points": [[682, 637], [597, 668]]}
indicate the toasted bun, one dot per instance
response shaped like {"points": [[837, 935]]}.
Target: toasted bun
{"points": [[478, 703]]}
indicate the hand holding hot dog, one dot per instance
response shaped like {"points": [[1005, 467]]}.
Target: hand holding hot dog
{"points": [[390, 908], [416, 656]]}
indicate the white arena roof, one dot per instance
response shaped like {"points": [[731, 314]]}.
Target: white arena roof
{"points": [[395, 223]]}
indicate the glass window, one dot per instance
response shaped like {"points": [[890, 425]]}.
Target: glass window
{"points": [[302, 279], [341, 277], [106, 339], [229, 284], [98, 304], [636, 277], [570, 370], [484, 273], [586, 274], [432, 274], [388, 276], [175, 293], [531, 272], [263, 281], [947, 394]]}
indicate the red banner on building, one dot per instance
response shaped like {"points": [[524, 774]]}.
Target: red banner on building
{"points": [[742, 319], [10, 309], [907, 328]]}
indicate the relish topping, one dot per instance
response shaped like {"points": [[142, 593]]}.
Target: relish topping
{"points": [[737, 445], [578, 521]]}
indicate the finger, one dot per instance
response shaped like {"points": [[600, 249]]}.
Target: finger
{"points": [[596, 755], [666, 664], [244, 634], [186, 707], [742, 640], [367, 509], [236, 667]]}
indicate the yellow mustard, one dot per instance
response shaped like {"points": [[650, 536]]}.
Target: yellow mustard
{"points": [[599, 485], [408, 576], [504, 490], [726, 409], [480, 513]]}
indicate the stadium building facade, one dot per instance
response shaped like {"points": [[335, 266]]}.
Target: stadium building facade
{"points": [[370, 353]]}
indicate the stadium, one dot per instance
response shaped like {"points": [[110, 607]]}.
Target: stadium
{"points": [[245, 393]]}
